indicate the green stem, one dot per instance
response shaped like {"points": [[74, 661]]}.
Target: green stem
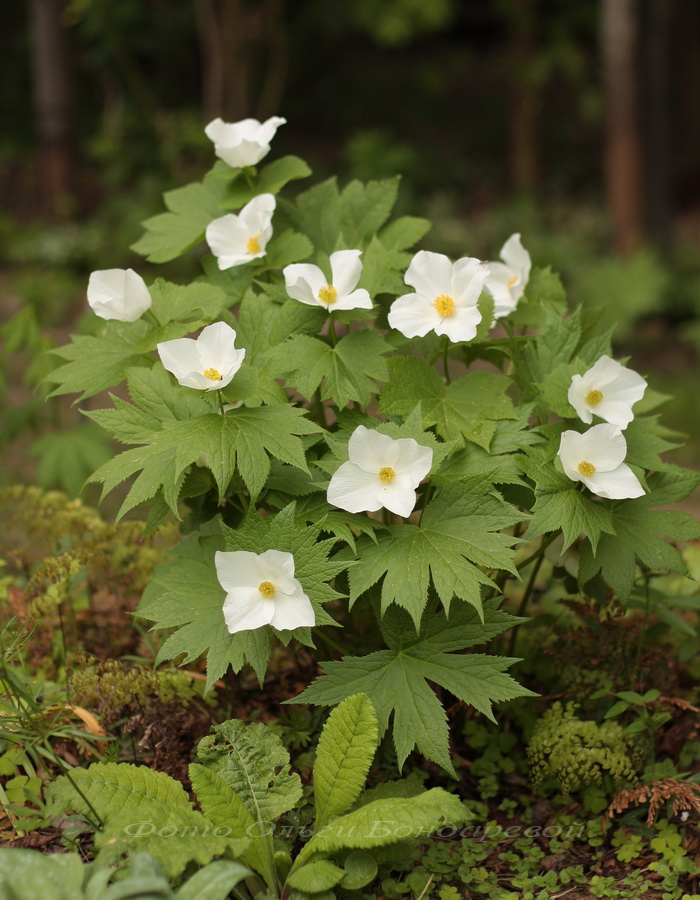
{"points": [[221, 403], [538, 558], [642, 634], [446, 358], [331, 329]]}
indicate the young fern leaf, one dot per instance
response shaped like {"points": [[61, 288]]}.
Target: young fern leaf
{"points": [[344, 754]]}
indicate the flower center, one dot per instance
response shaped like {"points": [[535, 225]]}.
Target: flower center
{"points": [[512, 281], [386, 475], [327, 294], [593, 398], [586, 469], [267, 589], [253, 244], [212, 374], [445, 305]]}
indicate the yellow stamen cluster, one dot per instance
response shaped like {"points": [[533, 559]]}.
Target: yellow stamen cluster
{"points": [[445, 305], [253, 244], [327, 294], [511, 281], [386, 475], [586, 469], [267, 589], [212, 374], [593, 398]]}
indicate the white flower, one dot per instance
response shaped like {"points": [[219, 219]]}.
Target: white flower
{"points": [[445, 299], [242, 143], [596, 458], [565, 559], [207, 363], [609, 390], [381, 472], [236, 239], [118, 294], [507, 281], [261, 590], [309, 285]]}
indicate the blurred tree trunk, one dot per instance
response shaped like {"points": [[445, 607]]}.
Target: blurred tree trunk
{"points": [[524, 125], [623, 144], [244, 57], [52, 104], [657, 118]]}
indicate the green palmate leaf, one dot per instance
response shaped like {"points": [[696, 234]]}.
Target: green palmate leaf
{"points": [[459, 531], [403, 233], [264, 323], [344, 754], [382, 269], [387, 821], [66, 458], [544, 287], [270, 180], [561, 503], [97, 362], [316, 213], [100, 361], [466, 410], [395, 680], [637, 529], [184, 592], [184, 307], [192, 208], [27, 875], [364, 208], [286, 248], [343, 525], [125, 796], [349, 371], [241, 439], [646, 441]]}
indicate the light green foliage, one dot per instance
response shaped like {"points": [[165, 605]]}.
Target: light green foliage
{"points": [[185, 593], [26, 875], [97, 362], [637, 528], [343, 757], [578, 752], [66, 458], [395, 679], [458, 534], [133, 802], [466, 410], [350, 370]]}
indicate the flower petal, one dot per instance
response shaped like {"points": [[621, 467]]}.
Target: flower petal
{"points": [[414, 461], [430, 274], [353, 489], [346, 270], [413, 315], [216, 346], [293, 610], [516, 257], [303, 282], [257, 215], [604, 446], [246, 609], [399, 497], [227, 237], [277, 566], [468, 277], [237, 568], [358, 299], [179, 356], [461, 325], [618, 484], [371, 451]]}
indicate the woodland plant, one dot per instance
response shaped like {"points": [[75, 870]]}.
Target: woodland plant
{"points": [[353, 420]]}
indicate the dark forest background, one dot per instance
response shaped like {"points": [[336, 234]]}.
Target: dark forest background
{"points": [[577, 124]]}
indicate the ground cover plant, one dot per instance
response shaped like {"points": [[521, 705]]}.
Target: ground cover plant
{"points": [[365, 461]]}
